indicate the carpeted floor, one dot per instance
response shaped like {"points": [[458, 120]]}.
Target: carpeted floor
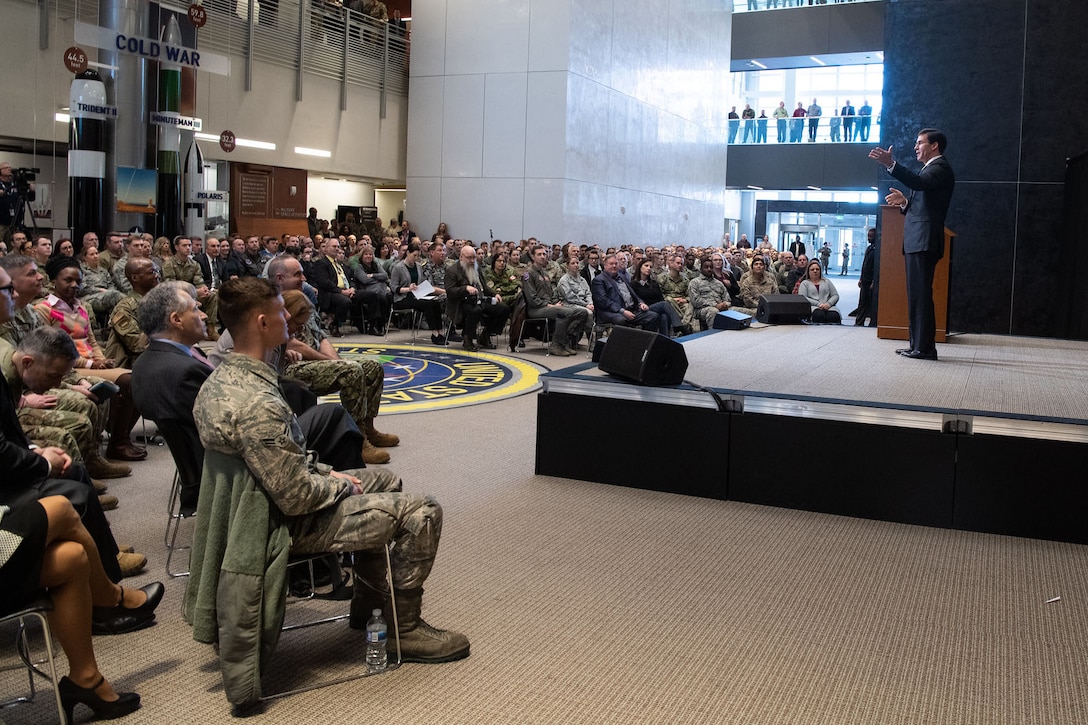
{"points": [[597, 604]]}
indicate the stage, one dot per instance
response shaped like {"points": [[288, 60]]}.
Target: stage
{"points": [[991, 437]]}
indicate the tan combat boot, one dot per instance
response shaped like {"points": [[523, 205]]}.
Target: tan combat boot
{"points": [[372, 455], [376, 437]]}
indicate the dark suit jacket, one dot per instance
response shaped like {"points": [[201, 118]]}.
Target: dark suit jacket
{"points": [[229, 267], [927, 205], [165, 382], [608, 303], [457, 294], [19, 463], [205, 267], [584, 271], [322, 275]]}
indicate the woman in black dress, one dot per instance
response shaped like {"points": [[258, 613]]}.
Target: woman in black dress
{"points": [[43, 545]]}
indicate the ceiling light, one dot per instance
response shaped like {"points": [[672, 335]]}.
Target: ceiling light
{"points": [[816, 60], [757, 63], [61, 117], [313, 152]]}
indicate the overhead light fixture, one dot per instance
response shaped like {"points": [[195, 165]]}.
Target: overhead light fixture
{"points": [[756, 188], [391, 189], [61, 117], [313, 152], [815, 188], [816, 60], [757, 63]]}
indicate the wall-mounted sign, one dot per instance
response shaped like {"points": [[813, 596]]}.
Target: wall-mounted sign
{"points": [[198, 16], [187, 123], [227, 141], [151, 49], [75, 59]]}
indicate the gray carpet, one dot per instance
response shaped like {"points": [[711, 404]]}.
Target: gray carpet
{"points": [[597, 604]]}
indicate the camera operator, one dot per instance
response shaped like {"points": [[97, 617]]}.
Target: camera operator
{"points": [[12, 191]]}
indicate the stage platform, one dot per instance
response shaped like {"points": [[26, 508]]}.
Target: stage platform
{"points": [[991, 437]]}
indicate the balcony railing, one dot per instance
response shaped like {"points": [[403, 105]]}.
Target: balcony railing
{"points": [[828, 129]]}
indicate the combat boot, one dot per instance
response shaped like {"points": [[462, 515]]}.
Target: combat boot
{"points": [[376, 437], [559, 350], [419, 641], [372, 455]]}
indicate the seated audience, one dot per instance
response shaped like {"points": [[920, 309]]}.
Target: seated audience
{"points": [[542, 301], [649, 291], [755, 283], [674, 285], [52, 550], [359, 383], [470, 300], [240, 412], [64, 310], [708, 295], [406, 276], [99, 293], [821, 295], [615, 301], [335, 292], [574, 290], [184, 267], [126, 341], [372, 289], [502, 278]]}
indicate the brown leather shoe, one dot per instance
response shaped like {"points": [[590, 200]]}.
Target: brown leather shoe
{"points": [[372, 455], [99, 487], [126, 452], [108, 503], [101, 468]]}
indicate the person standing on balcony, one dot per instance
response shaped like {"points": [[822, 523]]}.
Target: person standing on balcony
{"points": [[780, 115], [814, 113]]}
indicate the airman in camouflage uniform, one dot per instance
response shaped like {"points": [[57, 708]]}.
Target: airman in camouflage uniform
{"points": [[127, 340], [674, 285], [241, 412], [708, 295], [98, 292]]}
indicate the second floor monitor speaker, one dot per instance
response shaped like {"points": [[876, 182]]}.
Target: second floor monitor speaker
{"points": [[644, 357], [783, 309]]}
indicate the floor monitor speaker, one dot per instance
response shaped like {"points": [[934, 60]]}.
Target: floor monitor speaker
{"points": [[644, 357], [783, 309], [730, 320]]}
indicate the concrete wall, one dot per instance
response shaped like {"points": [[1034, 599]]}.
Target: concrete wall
{"points": [[583, 120]]}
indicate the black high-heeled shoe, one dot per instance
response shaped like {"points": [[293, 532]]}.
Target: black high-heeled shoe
{"points": [[120, 619], [71, 694]]}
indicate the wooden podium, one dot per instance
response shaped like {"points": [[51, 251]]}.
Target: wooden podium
{"points": [[893, 321]]}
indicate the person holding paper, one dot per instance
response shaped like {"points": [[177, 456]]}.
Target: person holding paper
{"points": [[410, 292]]}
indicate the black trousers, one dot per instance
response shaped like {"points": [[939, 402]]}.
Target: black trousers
{"points": [[923, 319]]}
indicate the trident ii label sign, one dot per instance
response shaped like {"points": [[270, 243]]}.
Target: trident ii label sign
{"points": [[151, 49]]}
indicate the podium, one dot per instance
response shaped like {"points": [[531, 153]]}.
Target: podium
{"points": [[893, 320]]}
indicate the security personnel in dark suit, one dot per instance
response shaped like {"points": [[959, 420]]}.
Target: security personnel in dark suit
{"points": [[923, 231]]}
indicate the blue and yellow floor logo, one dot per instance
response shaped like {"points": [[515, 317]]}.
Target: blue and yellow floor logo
{"points": [[424, 377]]}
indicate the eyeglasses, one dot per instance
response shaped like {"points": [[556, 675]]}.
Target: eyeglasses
{"points": [[10, 289]]}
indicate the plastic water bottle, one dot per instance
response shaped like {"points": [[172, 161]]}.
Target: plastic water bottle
{"points": [[376, 657]]}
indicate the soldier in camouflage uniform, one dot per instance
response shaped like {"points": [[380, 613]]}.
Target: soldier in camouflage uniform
{"points": [[184, 268], [360, 383], [241, 412], [542, 300], [674, 285], [126, 340], [708, 295], [27, 280], [50, 415], [99, 293]]}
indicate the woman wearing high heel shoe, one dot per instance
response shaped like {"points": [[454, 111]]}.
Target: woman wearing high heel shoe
{"points": [[49, 548]]}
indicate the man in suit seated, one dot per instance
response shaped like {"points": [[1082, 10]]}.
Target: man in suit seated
{"points": [[615, 302], [469, 298], [335, 293], [173, 322]]}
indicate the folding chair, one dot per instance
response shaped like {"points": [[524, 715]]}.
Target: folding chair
{"points": [[36, 608]]}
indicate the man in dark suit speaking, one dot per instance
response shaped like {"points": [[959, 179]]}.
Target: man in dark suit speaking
{"points": [[923, 231]]}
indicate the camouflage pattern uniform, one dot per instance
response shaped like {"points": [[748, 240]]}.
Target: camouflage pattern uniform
{"points": [[570, 322], [189, 271], [705, 294], [751, 290], [673, 291], [360, 382], [99, 293], [106, 260], [241, 412], [126, 340], [74, 424], [118, 274]]}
